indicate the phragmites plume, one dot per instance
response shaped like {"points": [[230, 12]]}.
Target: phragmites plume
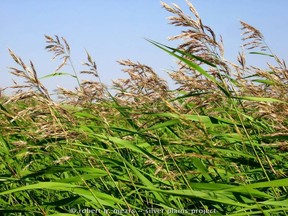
{"points": [[197, 39], [92, 67], [253, 36], [198, 36], [143, 83], [59, 49], [29, 74]]}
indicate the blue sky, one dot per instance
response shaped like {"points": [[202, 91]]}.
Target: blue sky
{"points": [[112, 30]]}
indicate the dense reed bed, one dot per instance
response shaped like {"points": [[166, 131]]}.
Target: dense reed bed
{"points": [[217, 144]]}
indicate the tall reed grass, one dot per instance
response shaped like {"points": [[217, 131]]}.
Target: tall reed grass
{"points": [[217, 144]]}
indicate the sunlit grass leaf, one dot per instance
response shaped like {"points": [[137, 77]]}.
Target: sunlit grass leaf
{"points": [[86, 115], [209, 120], [201, 167], [260, 99], [129, 145], [73, 200], [42, 185], [130, 131], [264, 81], [201, 195], [274, 183], [226, 187], [181, 52], [95, 196], [188, 62], [191, 64], [147, 183], [276, 202], [190, 94], [261, 53], [60, 169], [81, 178], [4, 145], [162, 125]]}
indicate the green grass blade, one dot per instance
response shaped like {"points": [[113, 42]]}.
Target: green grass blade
{"points": [[261, 53], [207, 195], [102, 198], [264, 81], [162, 125], [147, 183], [191, 64], [260, 99], [181, 52], [190, 94], [58, 74], [129, 145]]}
